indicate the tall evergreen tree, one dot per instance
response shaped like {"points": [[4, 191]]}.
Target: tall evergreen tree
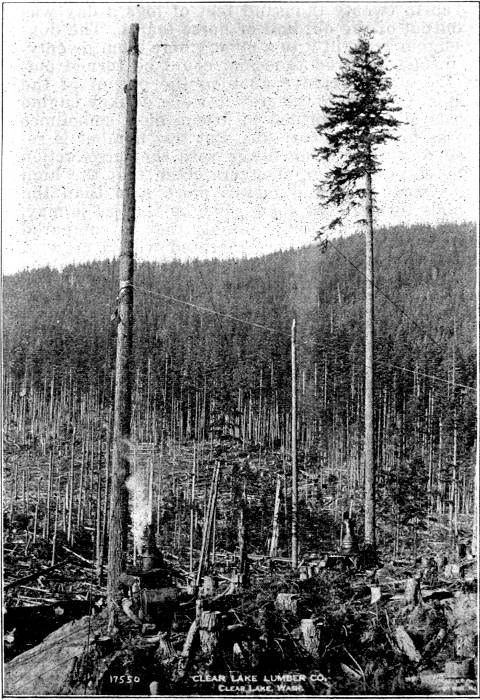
{"points": [[358, 120]]}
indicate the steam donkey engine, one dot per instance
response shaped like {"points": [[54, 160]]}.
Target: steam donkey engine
{"points": [[150, 596]]}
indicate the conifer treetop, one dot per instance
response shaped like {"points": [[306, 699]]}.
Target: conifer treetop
{"points": [[358, 119]]}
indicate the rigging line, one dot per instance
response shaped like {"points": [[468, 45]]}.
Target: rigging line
{"points": [[379, 289], [212, 311], [431, 376], [300, 342], [424, 374], [209, 292], [217, 369]]}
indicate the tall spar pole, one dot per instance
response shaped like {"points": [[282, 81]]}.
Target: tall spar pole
{"points": [[117, 543], [369, 378], [294, 450]]}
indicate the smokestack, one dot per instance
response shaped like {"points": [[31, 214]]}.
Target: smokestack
{"points": [[151, 555]]}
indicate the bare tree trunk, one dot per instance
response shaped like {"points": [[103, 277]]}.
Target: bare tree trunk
{"points": [[55, 524], [35, 519], [80, 500], [294, 451], [192, 507], [369, 336], [49, 497], [123, 390], [276, 511], [98, 529], [243, 541], [207, 523], [70, 492]]}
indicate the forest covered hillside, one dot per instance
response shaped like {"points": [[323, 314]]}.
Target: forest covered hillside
{"points": [[61, 321]]}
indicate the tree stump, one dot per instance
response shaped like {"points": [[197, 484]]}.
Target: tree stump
{"points": [[303, 573], [430, 572], [104, 645], [457, 669], [165, 650], [236, 584], [209, 628], [154, 688], [463, 618], [209, 586], [412, 595], [310, 636], [452, 571], [287, 602]]}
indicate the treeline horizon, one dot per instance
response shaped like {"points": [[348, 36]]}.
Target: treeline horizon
{"points": [[284, 285], [233, 258]]}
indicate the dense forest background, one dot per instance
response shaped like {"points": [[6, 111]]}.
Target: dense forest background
{"points": [[212, 349]]}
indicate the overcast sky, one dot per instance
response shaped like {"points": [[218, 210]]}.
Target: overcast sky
{"points": [[229, 97]]}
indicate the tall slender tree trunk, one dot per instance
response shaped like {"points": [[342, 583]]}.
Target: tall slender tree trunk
{"points": [[123, 390], [369, 335], [276, 512], [294, 449]]}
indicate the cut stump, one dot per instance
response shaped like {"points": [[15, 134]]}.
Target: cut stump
{"points": [[310, 636], [209, 624], [287, 602]]}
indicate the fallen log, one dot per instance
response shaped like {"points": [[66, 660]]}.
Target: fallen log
{"points": [[46, 668], [79, 556], [186, 655], [32, 577], [37, 599]]}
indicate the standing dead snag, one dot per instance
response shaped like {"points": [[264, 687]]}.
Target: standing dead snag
{"points": [[98, 531], [46, 531], [123, 379], [207, 527], [294, 449], [242, 541], [70, 491], [192, 508], [275, 525], [55, 523]]}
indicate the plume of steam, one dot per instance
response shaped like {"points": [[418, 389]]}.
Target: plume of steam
{"points": [[140, 503]]}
